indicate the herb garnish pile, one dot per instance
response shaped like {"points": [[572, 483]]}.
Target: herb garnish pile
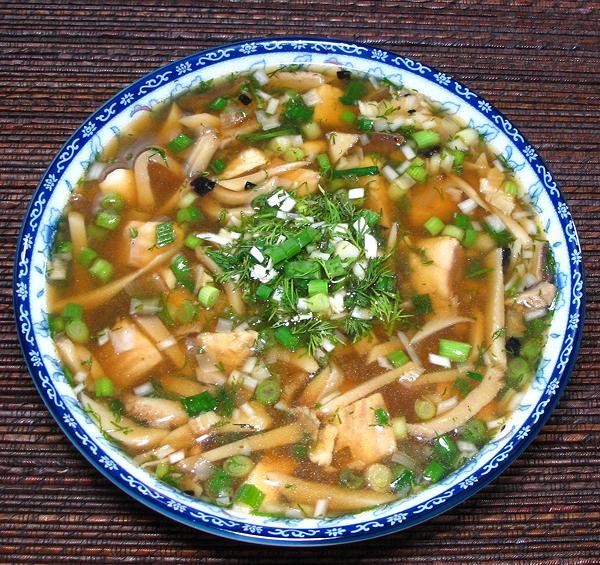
{"points": [[313, 269]]}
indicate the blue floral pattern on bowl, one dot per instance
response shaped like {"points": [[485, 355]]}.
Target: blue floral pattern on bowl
{"points": [[57, 183]]}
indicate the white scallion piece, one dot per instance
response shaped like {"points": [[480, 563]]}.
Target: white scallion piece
{"points": [[346, 250], [272, 106], [166, 343], [320, 255], [408, 151], [336, 302], [389, 173], [494, 222], [177, 456], [267, 121], [439, 360], [328, 345], [321, 507], [446, 405], [102, 336], [163, 451], [364, 139], [261, 77], [370, 246], [223, 326], [282, 215], [493, 424], [361, 313], [311, 98], [356, 193], [498, 165], [122, 339], [143, 389], [257, 254], [359, 269], [380, 124], [467, 206], [360, 225], [249, 365], [213, 238], [402, 167], [384, 363], [288, 204], [535, 314]]}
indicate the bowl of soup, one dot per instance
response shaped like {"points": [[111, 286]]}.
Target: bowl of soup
{"points": [[299, 291]]}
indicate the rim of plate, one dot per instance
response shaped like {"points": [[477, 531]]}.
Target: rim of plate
{"points": [[379, 521]]}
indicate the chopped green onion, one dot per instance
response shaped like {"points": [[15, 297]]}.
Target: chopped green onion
{"points": [[250, 495], [311, 131], [56, 324], [189, 214], [462, 385], [475, 376], [348, 117], [77, 331], [318, 303], [445, 449], [424, 409], [531, 350], [268, 134], [379, 477], [220, 484], [108, 220], [434, 472], [113, 201], [517, 372], [192, 242], [307, 236], [165, 234], [198, 404], [334, 268], [324, 164], [286, 338], [268, 392], [293, 154], [276, 253], [238, 465], [162, 470], [356, 172], [72, 312], [364, 124], [398, 358], [434, 225], [372, 218], [208, 296], [64, 247], [218, 166], [179, 143], [470, 237], [218, 104], [402, 479], [180, 267], [296, 111], [454, 350], [474, 431], [349, 480], [96, 233], [354, 90], [186, 313], [102, 270], [382, 417], [86, 257], [453, 231], [263, 292], [510, 187], [417, 172], [291, 247], [462, 221], [399, 427], [299, 451], [475, 269], [426, 139], [103, 387], [317, 286], [459, 157], [422, 303], [302, 269]]}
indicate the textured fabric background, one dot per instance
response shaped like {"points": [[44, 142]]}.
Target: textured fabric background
{"points": [[538, 62]]}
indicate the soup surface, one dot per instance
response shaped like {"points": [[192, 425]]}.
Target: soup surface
{"points": [[301, 292]]}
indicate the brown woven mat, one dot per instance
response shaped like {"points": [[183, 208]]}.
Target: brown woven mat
{"points": [[539, 62]]}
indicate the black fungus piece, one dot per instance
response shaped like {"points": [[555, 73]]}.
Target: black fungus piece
{"points": [[202, 185], [505, 257], [244, 99], [344, 74], [513, 346], [249, 185], [430, 152]]}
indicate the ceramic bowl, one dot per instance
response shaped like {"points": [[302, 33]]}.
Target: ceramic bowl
{"points": [[61, 177]]}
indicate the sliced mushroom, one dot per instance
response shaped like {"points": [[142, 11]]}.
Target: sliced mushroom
{"points": [[157, 412], [539, 296]]}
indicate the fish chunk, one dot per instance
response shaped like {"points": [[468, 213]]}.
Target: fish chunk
{"points": [[229, 348], [358, 430], [433, 271]]}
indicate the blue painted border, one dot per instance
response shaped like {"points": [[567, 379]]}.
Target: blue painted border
{"points": [[283, 535]]}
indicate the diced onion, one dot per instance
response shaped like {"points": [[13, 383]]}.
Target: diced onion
{"points": [[143, 390], [439, 360]]}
